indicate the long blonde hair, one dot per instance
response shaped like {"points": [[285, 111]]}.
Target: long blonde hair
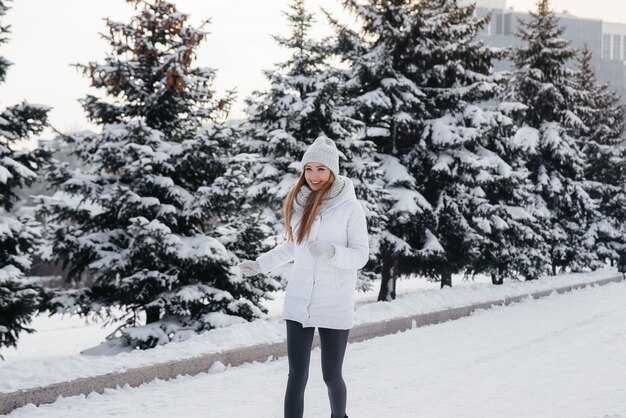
{"points": [[311, 207]]}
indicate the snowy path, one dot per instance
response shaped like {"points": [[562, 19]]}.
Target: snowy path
{"points": [[561, 356]]}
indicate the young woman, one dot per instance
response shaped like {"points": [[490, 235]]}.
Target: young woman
{"points": [[327, 240]]}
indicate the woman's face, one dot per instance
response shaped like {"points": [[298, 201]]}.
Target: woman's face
{"points": [[316, 175]]}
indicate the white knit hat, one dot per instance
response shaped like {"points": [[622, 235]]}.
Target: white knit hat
{"points": [[323, 151]]}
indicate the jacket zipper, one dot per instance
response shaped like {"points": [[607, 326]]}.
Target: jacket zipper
{"points": [[308, 313]]}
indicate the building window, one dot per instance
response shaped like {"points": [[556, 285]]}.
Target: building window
{"points": [[606, 47], [499, 24], [506, 27], [617, 47]]}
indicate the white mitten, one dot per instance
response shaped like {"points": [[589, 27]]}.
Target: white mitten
{"points": [[249, 268], [320, 250]]}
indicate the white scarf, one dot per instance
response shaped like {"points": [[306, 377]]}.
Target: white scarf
{"points": [[337, 192]]}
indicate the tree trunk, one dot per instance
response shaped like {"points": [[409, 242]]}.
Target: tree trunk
{"points": [[152, 315], [496, 279], [387, 283], [394, 150], [446, 278]]}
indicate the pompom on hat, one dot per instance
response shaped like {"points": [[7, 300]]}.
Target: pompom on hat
{"points": [[323, 151]]}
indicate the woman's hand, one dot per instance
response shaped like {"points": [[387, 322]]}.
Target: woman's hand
{"points": [[320, 250], [249, 268]]}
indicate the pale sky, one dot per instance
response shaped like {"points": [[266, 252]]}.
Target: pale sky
{"points": [[50, 35]]}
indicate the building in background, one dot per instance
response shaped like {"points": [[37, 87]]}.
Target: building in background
{"points": [[606, 41]]}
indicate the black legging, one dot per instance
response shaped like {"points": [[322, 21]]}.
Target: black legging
{"points": [[333, 343]]}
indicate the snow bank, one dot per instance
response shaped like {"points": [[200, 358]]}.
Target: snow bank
{"points": [[40, 372], [454, 297], [560, 356]]}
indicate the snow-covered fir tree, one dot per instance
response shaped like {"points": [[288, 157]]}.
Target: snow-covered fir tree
{"points": [[19, 296], [544, 83], [158, 216], [468, 164], [504, 210], [305, 100], [383, 97], [602, 141], [421, 85]]}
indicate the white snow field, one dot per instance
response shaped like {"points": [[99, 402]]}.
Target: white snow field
{"points": [[559, 356], [49, 364]]}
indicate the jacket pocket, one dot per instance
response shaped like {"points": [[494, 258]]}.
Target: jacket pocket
{"points": [[329, 278], [300, 283]]}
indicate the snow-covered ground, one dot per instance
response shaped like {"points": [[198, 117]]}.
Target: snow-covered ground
{"points": [[44, 367], [560, 356], [63, 335]]}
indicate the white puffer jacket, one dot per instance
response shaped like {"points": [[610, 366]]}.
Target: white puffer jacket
{"points": [[320, 293]]}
